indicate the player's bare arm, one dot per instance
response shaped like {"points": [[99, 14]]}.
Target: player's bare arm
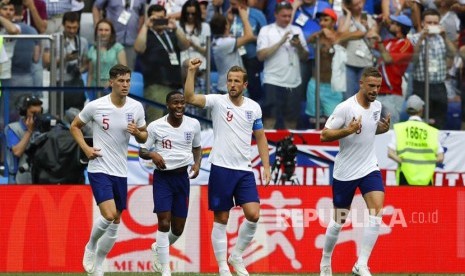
{"points": [[263, 151], [189, 94], [194, 172], [330, 135], [76, 131], [156, 158], [383, 125], [140, 133]]}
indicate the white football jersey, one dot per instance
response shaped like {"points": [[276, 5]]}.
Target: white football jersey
{"points": [[356, 157], [174, 144], [232, 131], [110, 135]]}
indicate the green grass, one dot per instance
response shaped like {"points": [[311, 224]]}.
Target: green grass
{"points": [[195, 274]]}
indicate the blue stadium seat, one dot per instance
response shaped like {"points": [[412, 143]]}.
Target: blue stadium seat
{"points": [[454, 116], [137, 84]]}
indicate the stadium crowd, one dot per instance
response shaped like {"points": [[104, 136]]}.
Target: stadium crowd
{"points": [[416, 44]]}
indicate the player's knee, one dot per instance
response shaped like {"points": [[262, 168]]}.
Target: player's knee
{"points": [[164, 225], [110, 216], [253, 217], [177, 231]]}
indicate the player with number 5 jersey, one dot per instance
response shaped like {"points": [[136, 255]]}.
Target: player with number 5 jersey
{"points": [[114, 117]]}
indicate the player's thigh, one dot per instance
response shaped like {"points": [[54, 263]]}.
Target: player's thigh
{"points": [[162, 192], [372, 189], [180, 185], [343, 193], [107, 187], [246, 189], [221, 184]]}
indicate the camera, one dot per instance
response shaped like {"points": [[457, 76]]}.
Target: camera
{"points": [[234, 10], [286, 153], [44, 122], [434, 29], [160, 21]]}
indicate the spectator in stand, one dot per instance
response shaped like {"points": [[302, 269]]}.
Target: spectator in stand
{"points": [[416, 7], [7, 13], [216, 7], [159, 44], [416, 155], [26, 56], [356, 30], [111, 53], [225, 48], [56, 9], [281, 46], [449, 19], [173, 7], [75, 57], [127, 17], [197, 32], [35, 14], [203, 9], [248, 52], [439, 48], [329, 99], [305, 17], [396, 54]]}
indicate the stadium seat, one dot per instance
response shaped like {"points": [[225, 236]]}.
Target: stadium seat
{"points": [[454, 116], [137, 84]]}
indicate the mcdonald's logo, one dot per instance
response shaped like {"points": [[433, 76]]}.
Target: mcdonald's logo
{"points": [[46, 227]]}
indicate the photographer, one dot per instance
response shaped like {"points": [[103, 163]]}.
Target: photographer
{"points": [[75, 51], [18, 136], [286, 153]]}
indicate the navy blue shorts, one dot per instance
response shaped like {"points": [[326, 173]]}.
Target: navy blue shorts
{"points": [[171, 192], [106, 187], [344, 191], [227, 187]]}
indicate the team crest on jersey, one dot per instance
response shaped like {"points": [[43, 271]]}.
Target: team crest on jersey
{"points": [[376, 115], [188, 136], [248, 115], [129, 117]]}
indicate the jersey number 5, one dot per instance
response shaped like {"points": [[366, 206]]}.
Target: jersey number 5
{"points": [[106, 123]]}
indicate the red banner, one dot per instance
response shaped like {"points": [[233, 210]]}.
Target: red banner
{"points": [[45, 228]]}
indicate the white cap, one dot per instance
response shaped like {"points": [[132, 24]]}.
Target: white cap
{"points": [[415, 103]]}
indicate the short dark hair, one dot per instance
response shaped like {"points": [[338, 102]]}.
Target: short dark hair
{"points": [[236, 68], [155, 8], [71, 17], [371, 72], [218, 25], [171, 94], [283, 5], [430, 12], [119, 70]]}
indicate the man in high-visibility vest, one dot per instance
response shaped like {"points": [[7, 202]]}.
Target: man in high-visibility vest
{"points": [[415, 147]]}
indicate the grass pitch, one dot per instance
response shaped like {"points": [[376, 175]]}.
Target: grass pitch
{"points": [[197, 274]]}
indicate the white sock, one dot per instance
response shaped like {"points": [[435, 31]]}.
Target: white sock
{"points": [[220, 244], [163, 248], [105, 244], [246, 233], [98, 229], [370, 235], [332, 233], [172, 237]]}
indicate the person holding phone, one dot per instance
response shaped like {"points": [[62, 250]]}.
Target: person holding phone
{"points": [[282, 53], [439, 49], [158, 45]]}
